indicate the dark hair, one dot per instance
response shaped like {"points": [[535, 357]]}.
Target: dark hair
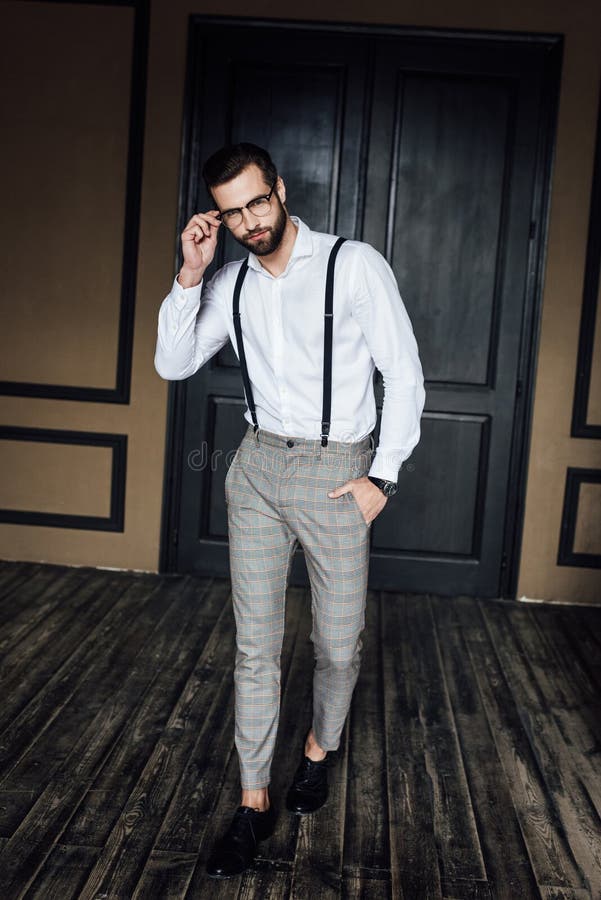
{"points": [[229, 161]]}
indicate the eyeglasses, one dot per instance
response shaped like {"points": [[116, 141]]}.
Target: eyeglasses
{"points": [[259, 206]]}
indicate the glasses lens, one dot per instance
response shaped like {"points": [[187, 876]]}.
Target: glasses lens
{"points": [[231, 219], [259, 207]]}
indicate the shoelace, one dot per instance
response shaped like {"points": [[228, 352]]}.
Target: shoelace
{"points": [[240, 825], [308, 774]]}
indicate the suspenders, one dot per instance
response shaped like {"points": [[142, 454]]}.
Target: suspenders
{"points": [[241, 354], [327, 343]]}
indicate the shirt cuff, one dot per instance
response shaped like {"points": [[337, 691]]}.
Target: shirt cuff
{"points": [[183, 296], [386, 465]]}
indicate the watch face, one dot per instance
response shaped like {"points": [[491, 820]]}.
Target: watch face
{"points": [[387, 487]]}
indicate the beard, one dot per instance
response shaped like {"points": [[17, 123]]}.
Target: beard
{"points": [[272, 238]]}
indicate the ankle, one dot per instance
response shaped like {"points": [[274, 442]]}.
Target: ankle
{"points": [[256, 798], [313, 750]]}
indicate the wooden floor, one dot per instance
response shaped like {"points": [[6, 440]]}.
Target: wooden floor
{"points": [[470, 766]]}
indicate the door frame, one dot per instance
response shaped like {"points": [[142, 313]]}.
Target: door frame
{"points": [[533, 292]]}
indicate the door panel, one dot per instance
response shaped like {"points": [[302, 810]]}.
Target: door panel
{"points": [[457, 131], [427, 149], [446, 216]]}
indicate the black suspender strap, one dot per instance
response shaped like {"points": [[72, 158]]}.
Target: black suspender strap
{"points": [[239, 341], [327, 344]]}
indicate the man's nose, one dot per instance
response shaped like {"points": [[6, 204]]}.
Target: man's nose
{"points": [[250, 220]]}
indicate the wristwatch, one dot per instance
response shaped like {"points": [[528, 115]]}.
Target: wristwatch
{"points": [[387, 487]]}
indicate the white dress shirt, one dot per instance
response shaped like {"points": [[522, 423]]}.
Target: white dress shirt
{"points": [[282, 322]]}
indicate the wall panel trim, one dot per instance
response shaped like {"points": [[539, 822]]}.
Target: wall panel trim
{"points": [[118, 444], [121, 392], [581, 428], [566, 555]]}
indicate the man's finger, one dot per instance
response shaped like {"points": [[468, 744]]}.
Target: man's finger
{"points": [[337, 492], [191, 234], [209, 218], [205, 224]]}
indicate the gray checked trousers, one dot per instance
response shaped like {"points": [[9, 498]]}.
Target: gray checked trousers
{"points": [[276, 491]]}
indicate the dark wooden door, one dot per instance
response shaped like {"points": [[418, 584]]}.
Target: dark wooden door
{"points": [[429, 148]]}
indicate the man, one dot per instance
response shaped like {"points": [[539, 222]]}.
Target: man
{"points": [[301, 474]]}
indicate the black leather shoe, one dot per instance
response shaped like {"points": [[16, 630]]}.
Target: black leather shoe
{"points": [[309, 788], [235, 850]]}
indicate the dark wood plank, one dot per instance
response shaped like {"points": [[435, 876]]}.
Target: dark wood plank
{"points": [[584, 643], [185, 743], [366, 827], [468, 889], [269, 884], [505, 853], [565, 689], [548, 848], [364, 887], [167, 873], [559, 655], [33, 597], [559, 767], [13, 575], [590, 617], [115, 783], [14, 806], [35, 837], [65, 871], [413, 852], [42, 735], [44, 649], [473, 722], [50, 611], [460, 854], [561, 893]]}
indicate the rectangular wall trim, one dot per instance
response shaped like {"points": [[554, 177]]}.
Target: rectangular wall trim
{"points": [[566, 555], [581, 428], [137, 90], [118, 444]]}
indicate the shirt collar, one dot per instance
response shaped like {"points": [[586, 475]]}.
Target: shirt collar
{"points": [[303, 246]]}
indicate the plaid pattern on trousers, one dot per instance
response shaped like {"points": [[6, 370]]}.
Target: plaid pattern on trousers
{"points": [[277, 496]]}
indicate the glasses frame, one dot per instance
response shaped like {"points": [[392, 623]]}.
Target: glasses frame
{"points": [[239, 209]]}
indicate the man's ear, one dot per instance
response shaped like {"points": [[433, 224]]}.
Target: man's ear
{"points": [[281, 188]]}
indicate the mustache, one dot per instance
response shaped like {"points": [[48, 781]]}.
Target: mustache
{"points": [[256, 231]]}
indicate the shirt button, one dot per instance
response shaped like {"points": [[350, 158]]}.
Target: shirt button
{"points": [[290, 443]]}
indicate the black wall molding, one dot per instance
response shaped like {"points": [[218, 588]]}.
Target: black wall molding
{"points": [[567, 556], [584, 364], [118, 444], [137, 89]]}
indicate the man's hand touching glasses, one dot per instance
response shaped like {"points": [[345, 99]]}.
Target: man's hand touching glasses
{"points": [[199, 242]]}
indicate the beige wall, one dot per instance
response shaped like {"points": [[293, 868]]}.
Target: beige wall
{"points": [[65, 333]]}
